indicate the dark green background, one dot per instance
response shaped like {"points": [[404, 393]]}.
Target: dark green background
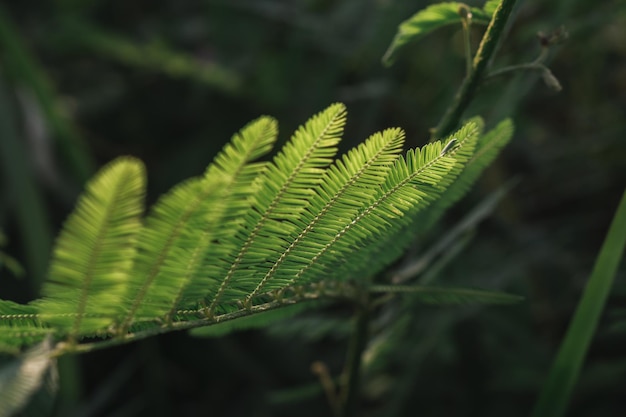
{"points": [[292, 59]]}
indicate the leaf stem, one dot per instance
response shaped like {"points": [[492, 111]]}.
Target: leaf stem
{"points": [[471, 82], [466, 21], [537, 64]]}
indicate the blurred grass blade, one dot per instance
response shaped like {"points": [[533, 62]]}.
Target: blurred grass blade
{"points": [[7, 261], [21, 68], [557, 389], [427, 20], [23, 377], [446, 296], [453, 237], [28, 207]]}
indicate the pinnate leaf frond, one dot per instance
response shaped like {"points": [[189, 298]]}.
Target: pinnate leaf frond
{"points": [[94, 253], [345, 189], [184, 223], [246, 237], [19, 326], [488, 147], [424, 176], [287, 187]]}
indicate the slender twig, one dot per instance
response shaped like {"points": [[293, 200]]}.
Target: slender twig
{"points": [[352, 375], [471, 82], [328, 385], [537, 64]]}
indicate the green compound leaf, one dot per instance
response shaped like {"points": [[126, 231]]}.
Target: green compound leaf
{"points": [[429, 19]]}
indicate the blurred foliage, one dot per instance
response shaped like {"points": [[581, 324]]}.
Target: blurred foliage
{"points": [[293, 58]]}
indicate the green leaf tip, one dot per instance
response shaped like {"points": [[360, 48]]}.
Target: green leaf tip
{"points": [[491, 6]]}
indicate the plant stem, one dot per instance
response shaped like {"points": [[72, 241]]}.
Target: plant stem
{"points": [[355, 351], [471, 82]]}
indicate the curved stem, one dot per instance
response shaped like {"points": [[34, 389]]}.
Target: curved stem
{"points": [[471, 82]]}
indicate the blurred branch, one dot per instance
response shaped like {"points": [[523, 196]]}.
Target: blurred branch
{"points": [[152, 56]]}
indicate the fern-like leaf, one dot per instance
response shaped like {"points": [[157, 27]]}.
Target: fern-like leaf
{"points": [[488, 147], [19, 326], [345, 189], [245, 238], [473, 158], [94, 253], [287, 189], [410, 181], [185, 224], [421, 179]]}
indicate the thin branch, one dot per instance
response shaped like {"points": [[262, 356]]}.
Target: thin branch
{"points": [[63, 348]]}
